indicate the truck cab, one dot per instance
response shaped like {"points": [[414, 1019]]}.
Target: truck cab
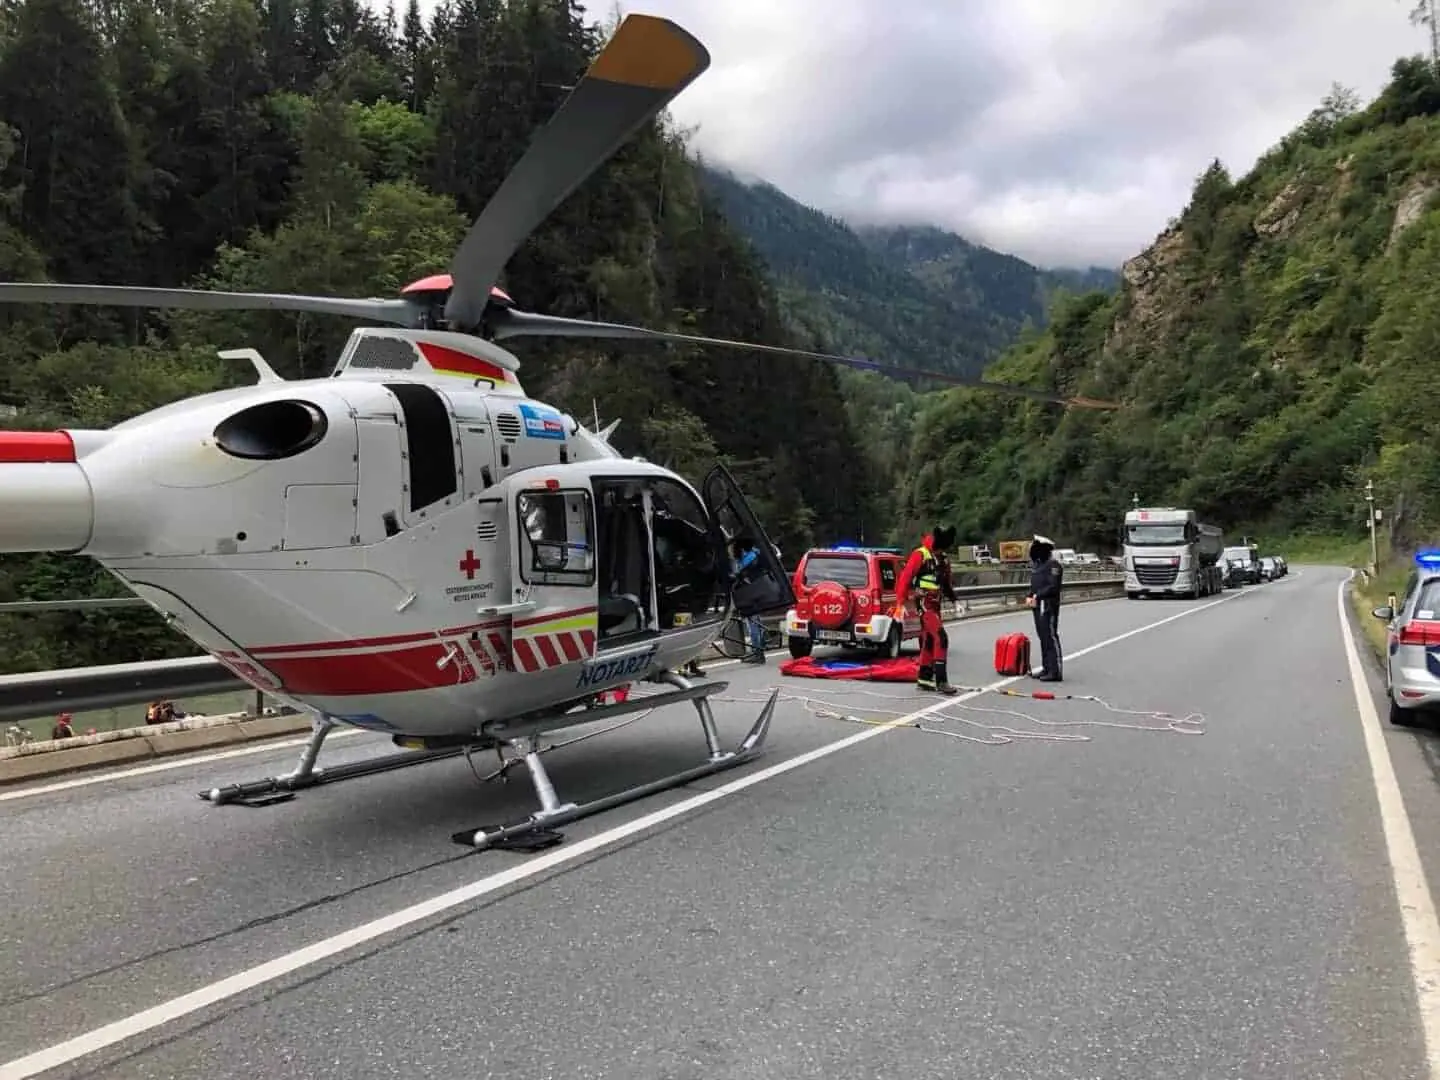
{"points": [[1169, 552]]}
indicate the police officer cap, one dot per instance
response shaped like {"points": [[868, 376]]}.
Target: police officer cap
{"points": [[943, 538], [1044, 541]]}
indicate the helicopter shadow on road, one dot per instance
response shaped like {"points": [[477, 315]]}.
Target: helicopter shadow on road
{"points": [[382, 830], [400, 807]]}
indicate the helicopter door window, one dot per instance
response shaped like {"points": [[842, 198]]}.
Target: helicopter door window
{"points": [[764, 587], [688, 574], [625, 571], [557, 545]]}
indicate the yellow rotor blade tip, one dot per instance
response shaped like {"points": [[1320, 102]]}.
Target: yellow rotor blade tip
{"points": [[650, 52]]}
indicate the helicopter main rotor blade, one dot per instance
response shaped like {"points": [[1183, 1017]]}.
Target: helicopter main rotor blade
{"points": [[640, 71], [511, 323], [399, 312]]}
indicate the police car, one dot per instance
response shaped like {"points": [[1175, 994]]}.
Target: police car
{"points": [[844, 596], [1412, 654]]}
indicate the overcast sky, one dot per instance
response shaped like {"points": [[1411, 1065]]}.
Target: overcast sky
{"points": [[1067, 132]]}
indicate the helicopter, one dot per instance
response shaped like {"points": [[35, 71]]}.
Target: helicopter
{"points": [[413, 545]]}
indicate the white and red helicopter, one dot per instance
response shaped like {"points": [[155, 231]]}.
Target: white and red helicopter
{"points": [[413, 545]]}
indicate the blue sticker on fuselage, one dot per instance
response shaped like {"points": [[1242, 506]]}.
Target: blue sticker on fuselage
{"points": [[542, 422]]}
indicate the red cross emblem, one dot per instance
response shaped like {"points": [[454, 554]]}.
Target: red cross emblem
{"points": [[469, 564]]}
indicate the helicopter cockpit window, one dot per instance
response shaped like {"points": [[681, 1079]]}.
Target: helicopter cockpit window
{"points": [[556, 537]]}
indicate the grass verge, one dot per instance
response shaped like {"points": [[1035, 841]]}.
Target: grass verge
{"points": [[1322, 550], [1370, 593]]}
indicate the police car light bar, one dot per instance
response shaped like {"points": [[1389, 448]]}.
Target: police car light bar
{"points": [[1430, 560]]}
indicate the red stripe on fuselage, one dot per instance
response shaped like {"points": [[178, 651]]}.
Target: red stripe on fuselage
{"points": [[570, 646], [548, 650], [370, 644], [396, 671], [524, 655], [41, 447], [445, 359]]}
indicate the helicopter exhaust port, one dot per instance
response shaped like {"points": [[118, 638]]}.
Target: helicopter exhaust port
{"points": [[46, 496], [272, 430]]}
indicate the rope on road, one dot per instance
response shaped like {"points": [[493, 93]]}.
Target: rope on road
{"points": [[993, 734]]}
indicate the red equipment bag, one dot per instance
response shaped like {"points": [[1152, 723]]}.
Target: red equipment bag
{"points": [[1012, 654]]}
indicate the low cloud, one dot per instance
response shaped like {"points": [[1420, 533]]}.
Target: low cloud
{"points": [[1067, 132]]}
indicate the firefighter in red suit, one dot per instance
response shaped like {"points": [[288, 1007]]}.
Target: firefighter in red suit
{"points": [[926, 581]]}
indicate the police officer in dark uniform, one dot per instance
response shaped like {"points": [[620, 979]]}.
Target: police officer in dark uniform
{"points": [[1046, 576]]}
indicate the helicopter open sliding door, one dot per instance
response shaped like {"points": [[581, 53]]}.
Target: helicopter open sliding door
{"points": [[762, 588], [432, 481]]}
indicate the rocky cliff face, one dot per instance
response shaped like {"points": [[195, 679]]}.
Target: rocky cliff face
{"points": [[1274, 347]]}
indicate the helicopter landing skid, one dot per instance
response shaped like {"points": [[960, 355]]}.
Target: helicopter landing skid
{"points": [[539, 830], [278, 789]]}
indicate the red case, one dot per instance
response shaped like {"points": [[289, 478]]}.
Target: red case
{"points": [[1012, 654]]}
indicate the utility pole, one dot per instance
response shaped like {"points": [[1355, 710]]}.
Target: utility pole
{"points": [[1370, 513]]}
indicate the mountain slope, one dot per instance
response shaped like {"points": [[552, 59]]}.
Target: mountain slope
{"points": [[1272, 348], [986, 279], [920, 297]]}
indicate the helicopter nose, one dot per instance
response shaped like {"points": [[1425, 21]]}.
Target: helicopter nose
{"points": [[45, 498]]}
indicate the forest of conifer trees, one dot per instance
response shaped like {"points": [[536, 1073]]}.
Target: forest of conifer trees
{"points": [[316, 146]]}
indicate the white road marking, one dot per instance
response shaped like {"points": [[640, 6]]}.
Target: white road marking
{"points": [[182, 761], [1417, 907], [167, 1012]]}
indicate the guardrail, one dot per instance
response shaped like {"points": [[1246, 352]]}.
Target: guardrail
{"points": [[26, 607], [44, 693]]}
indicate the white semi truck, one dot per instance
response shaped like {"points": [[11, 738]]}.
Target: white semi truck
{"points": [[1169, 552]]}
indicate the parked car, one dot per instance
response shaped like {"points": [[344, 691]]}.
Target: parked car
{"points": [[1244, 567], [1269, 571], [844, 596], [1412, 653]]}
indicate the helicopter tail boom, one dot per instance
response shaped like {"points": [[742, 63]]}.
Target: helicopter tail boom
{"points": [[46, 494]]}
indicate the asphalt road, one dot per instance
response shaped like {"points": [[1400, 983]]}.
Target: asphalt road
{"points": [[1141, 901]]}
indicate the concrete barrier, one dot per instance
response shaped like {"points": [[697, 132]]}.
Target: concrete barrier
{"points": [[33, 761], [123, 746]]}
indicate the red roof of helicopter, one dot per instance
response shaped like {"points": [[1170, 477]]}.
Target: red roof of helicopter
{"points": [[443, 283]]}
